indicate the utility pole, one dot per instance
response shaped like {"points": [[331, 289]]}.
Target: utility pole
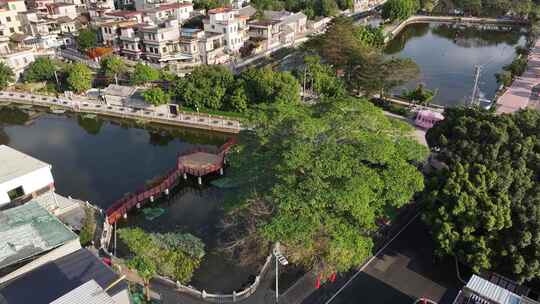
{"points": [[56, 76], [304, 84], [477, 70]]}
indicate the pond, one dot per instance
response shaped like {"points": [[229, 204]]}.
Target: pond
{"points": [[448, 53], [100, 160]]}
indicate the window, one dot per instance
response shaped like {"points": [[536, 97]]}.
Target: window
{"points": [[224, 30], [164, 50], [11, 30], [8, 19], [15, 193]]}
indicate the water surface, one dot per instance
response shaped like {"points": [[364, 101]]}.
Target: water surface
{"points": [[447, 55]]}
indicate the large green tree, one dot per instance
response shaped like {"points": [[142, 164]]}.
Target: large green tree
{"points": [[156, 96], [400, 9], [484, 204], [317, 178], [174, 255], [113, 66], [79, 78], [144, 74], [6, 76], [87, 39], [42, 69]]}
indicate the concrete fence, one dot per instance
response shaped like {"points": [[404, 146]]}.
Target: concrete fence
{"points": [[391, 33], [219, 298], [82, 105]]}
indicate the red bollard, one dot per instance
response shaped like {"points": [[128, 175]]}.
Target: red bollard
{"points": [[318, 284], [333, 277]]}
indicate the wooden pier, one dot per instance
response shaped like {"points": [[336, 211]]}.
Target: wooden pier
{"points": [[197, 162]]}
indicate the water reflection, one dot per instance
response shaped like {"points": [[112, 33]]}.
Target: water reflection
{"points": [[96, 159], [447, 54], [197, 211]]}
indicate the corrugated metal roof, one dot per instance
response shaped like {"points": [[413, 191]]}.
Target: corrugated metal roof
{"points": [[16, 164], [492, 292], [88, 293], [28, 230]]}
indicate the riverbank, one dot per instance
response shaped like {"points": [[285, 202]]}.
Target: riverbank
{"points": [[157, 115], [524, 91]]}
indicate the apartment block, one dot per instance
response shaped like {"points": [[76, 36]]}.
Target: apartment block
{"points": [[226, 21]]}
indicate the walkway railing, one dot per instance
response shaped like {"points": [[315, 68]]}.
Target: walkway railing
{"points": [[81, 105], [121, 207]]}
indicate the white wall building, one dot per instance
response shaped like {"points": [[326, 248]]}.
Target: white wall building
{"points": [[57, 10], [179, 11], [9, 23], [226, 21], [22, 176]]}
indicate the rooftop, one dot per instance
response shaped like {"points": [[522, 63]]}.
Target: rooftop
{"points": [[123, 13], [118, 90], [16, 164], [219, 10], [88, 293], [28, 230], [59, 278], [481, 291]]}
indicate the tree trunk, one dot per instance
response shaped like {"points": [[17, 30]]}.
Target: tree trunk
{"points": [[147, 290]]}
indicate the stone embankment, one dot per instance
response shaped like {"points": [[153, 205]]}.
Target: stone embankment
{"points": [[151, 114]]}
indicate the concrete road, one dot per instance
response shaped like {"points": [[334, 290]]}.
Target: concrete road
{"points": [[402, 272]]}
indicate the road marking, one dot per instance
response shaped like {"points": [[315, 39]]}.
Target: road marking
{"points": [[372, 259]]}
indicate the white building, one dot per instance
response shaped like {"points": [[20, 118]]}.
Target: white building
{"points": [[225, 21], [179, 11], [9, 23], [57, 10], [16, 5], [22, 176]]}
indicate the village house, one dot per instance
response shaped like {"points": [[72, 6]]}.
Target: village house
{"points": [[57, 10], [226, 21]]}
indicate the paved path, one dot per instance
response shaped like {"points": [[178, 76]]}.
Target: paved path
{"points": [[524, 90], [399, 274], [151, 114]]}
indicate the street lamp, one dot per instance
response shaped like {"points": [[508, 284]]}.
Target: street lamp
{"points": [[280, 259]]}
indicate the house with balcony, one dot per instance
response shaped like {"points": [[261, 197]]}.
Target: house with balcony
{"points": [[130, 42], [57, 10], [161, 42], [111, 32], [212, 48], [165, 11], [9, 23], [295, 23], [265, 32], [233, 26]]}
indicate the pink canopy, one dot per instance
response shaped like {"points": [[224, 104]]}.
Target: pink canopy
{"points": [[426, 118]]}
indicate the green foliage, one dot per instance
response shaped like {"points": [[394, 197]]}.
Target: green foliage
{"points": [[320, 78], [210, 4], [173, 255], [216, 88], [156, 96], [112, 66], [517, 67], [312, 9], [6, 76], [87, 39], [420, 95], [400, 9], [370, 36], [89, 227], [205, 87], [365, 68], [40, 70], [483, 206], [494, 8], [325, 173], [79, 78], [504, 78], [144, 74]]}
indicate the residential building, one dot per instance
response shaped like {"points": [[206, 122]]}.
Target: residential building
{"points": [[18, 6], [130, 42], [9, 23], [111, 32], [40, 5], [265, 32], [125, 15], [226, 21], [57, 10], [22, 176], [161, 42], [212, 49], [238, 4], [481, 291], [77, 277], [289, 22], [163, 12]]}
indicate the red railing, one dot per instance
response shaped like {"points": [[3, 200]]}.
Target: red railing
{"points": [[123, 205]]}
